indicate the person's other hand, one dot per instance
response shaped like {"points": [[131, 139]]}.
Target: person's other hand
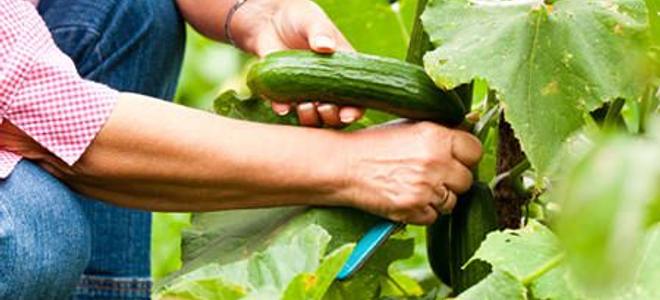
{"points": [[410, 173], [266, 26]]}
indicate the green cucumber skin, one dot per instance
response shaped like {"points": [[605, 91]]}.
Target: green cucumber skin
{"points": [[438, 248], [473, 218], [453, 239], [354, 79]]}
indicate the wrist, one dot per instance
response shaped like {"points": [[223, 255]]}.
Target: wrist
{"points": [[248, 21], [335, 166]]}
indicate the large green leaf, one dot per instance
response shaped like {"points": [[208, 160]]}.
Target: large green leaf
{"points": [[520, 253], [373, 26], [278, 252], [548, 63], [314, 286], [647, 271], [528, 264], [291, 265], [608, 197], [498, 285], [230, 104], [525, 262]]}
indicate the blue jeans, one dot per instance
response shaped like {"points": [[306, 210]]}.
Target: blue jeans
{"points": [[55, 243]]}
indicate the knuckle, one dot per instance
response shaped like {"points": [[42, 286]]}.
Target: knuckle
{"points": [[427, 130]]}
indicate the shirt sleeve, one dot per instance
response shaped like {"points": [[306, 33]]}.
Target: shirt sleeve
{"points": [[41, 91]]}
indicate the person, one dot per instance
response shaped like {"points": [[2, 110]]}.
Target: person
{"points": [[83, 161]]}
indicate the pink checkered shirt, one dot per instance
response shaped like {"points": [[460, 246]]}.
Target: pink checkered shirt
{"points": [[40, 90]]}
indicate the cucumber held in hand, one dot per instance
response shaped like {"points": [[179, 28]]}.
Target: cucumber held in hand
{"points": [[343, 78]]}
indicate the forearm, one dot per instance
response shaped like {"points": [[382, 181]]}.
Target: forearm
{"points": [[160, 156], [206, 16]]}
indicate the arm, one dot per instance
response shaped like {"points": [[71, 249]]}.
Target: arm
{"points": [[159, 156], [206, 16]]}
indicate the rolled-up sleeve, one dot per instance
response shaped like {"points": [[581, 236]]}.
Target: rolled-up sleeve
{"points": [[40, 90]]}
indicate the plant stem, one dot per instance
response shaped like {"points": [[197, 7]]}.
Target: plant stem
{"points": [[514, 173], [613, 114], [486, 122], [419, 41], [508, 200], [547, 267], [396, 284]]}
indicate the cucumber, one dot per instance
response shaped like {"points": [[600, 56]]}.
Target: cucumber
{"points": [[453, 239], [438, 248], [473, 218], [343, 78]]}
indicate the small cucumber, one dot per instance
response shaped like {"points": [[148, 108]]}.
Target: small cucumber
{"points": [[438, 247], [453, 239], [473, 218], [369, 81]]}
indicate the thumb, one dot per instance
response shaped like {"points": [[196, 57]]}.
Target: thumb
{"points": [[324, 37], [321, 37]]}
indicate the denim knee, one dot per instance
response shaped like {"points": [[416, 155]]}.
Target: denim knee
{"points": [[134, 46], [44, 236]]}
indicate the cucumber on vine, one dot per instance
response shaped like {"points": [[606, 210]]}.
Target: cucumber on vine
{"points": [[454, 239]]}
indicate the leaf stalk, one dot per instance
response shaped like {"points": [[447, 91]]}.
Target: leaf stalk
{"points": [[515, 172], [547, 267]]}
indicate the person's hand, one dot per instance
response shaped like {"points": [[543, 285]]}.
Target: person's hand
{"points": [[410, 173], [266, 26]]}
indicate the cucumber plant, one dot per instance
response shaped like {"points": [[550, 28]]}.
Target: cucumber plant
{"points": [[563, 95]]}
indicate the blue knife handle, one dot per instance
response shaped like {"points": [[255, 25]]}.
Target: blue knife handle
{"points": [[366, 247]]}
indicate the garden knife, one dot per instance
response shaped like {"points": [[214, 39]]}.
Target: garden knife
{"points": [[367, 245]]}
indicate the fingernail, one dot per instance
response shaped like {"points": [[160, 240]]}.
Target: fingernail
{"points": [[346, 117], [282, 110], [324, 43], [306, 106], [325, 107]]}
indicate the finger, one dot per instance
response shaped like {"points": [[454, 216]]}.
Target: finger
{"points": [[308, 115], [322, 43], [458, 178], [426, 216], [440, 197], [330, 115], [466, 148], [321, 34], [349, 114], [280, 108], [450, 203]]}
